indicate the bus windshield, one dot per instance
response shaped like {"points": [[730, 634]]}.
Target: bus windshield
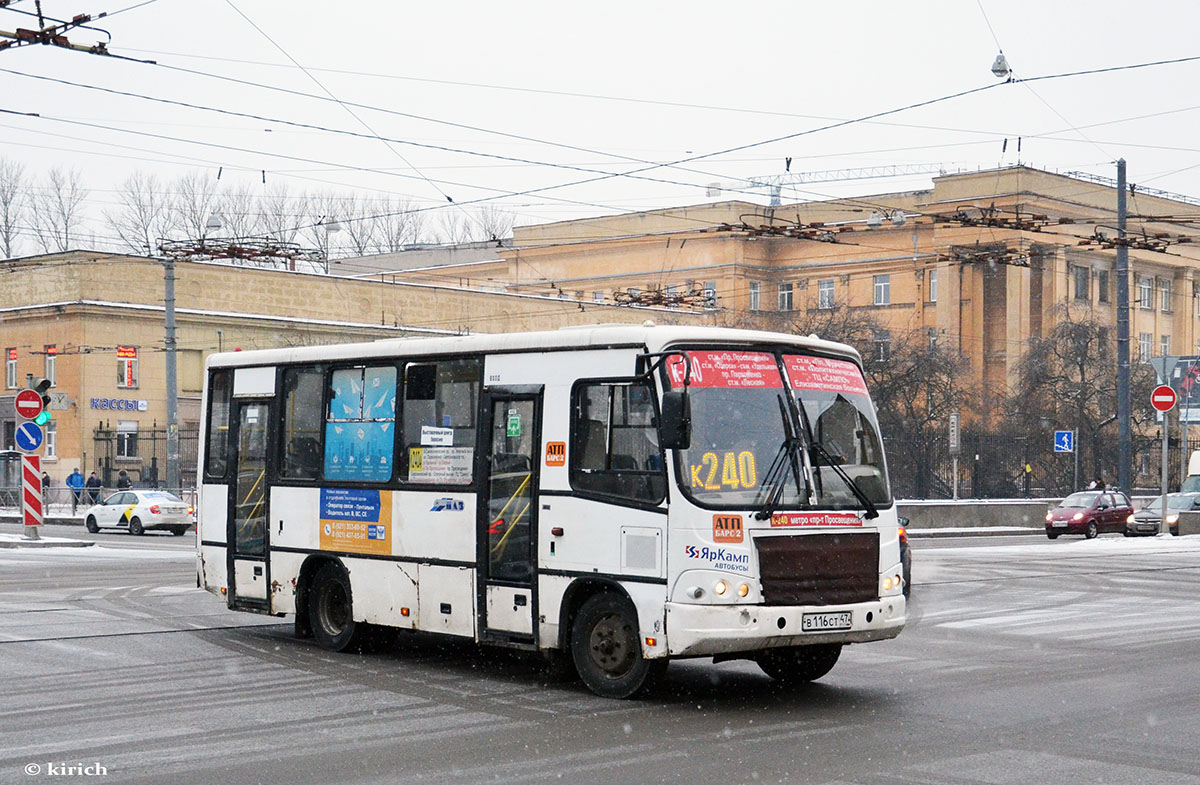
{"points": [[742, 414]]}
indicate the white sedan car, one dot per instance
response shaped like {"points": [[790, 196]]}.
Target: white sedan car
{"points": [[139, 511]]}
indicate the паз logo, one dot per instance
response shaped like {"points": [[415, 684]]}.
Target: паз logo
{"points": [[446, 503]]}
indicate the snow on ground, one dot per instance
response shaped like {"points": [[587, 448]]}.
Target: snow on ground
{"points": [[1100, 546], [95, 552]]}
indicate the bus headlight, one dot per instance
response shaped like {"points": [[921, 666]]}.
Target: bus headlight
{"points": [[720, 587], [743, 590]]}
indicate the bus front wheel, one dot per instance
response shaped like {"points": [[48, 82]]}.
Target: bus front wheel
{"points": [[331, 609], [607, 649], [799, 664]]}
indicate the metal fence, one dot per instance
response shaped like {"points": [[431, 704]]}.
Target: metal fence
{"points": [[142, 455]]}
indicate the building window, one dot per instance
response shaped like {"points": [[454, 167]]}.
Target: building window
{"points": [[672, 290], [1164, 295], [127, 439], [883, 290], [785, 297], [1080, 275], [825, 294], [10, 369], [1102, 285], [882, 346], [1145, 294], [1144, 341], [1164, 345], [755, 295], [933, 286], [933, 337], [51, 439], [597, 297], [52, 365], [710, 293], [127, 366]]}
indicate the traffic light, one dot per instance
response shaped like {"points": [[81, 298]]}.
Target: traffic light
{"points": [[42, 388]]}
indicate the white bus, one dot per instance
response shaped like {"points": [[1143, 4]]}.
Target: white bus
{"points": [[612, 496]]}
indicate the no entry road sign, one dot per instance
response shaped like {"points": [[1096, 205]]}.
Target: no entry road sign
{"points": [[1163, 398], [29, 404]]}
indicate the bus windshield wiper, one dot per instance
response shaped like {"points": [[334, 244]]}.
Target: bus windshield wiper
{"points": [[787, 457], [827, 459]]}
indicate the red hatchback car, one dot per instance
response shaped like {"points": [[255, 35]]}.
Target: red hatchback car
{"points": [[1089, 513]]}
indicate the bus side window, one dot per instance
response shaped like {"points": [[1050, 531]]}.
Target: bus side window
{"points": [[437, 431], [216, 447], [302, 403], [615, 442], [359, 428]]}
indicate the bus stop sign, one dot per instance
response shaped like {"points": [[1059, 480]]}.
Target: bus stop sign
{"points": [[1163, 398]]}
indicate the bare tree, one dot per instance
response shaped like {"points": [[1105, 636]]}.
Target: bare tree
{"points": [[360, 224], [12, 204], [281, 216], [320, 223], [457, 226], [143, 214], [195, 201], [241, 215], [58, 210], [397, 224], [495, 223], [1067, 382]]}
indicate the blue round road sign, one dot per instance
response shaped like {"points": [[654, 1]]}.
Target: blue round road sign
{"points": [[28, 437]]}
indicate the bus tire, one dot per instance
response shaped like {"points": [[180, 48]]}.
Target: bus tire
{"points": [[799, 664], [331, 609], [607, 650]]}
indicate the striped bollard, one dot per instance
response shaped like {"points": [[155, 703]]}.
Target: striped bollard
{"points": [[31, 494]]}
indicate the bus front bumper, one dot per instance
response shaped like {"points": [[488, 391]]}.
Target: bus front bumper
{"points": [[700, 630]]}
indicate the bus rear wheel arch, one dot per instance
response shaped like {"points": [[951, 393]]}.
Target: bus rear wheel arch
{"points": [[330, 609], [606, 648]]}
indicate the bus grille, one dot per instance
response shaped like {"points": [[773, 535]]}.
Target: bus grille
{"points": [[819, 569]]}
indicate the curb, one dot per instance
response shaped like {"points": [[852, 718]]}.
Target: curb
{"points": [[967, 532], [51, 543]]}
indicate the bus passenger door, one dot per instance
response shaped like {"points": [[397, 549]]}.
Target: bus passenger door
{"points": [[508, 507], [247, 517]]}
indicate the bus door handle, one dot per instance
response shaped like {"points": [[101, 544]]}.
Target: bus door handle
{"points": [[281, 525], [557, 531]]}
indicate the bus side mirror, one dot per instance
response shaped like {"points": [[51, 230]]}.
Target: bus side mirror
{"points": [[676, 421]]}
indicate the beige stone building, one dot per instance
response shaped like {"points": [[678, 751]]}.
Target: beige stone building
{"points": [[94, 324], [979, 261]]}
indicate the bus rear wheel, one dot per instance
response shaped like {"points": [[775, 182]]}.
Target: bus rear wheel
{"points": [[799, 664], [331, 609], [607, 649]]}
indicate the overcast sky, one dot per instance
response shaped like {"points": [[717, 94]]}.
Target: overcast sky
{"points": [[601, 87]]}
